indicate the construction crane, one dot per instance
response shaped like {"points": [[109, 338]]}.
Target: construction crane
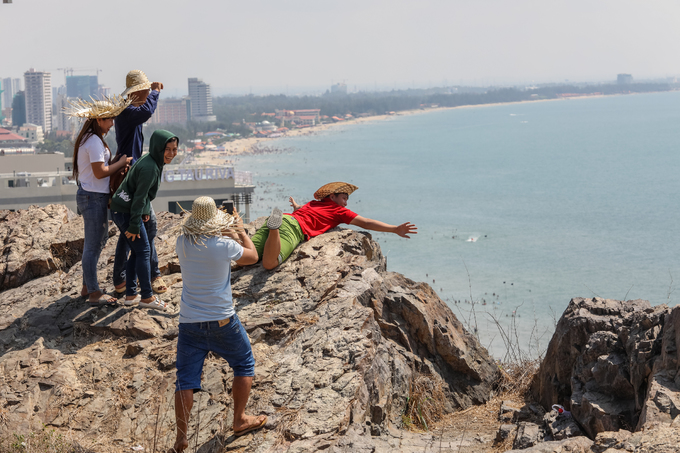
{"points": [[68, 72]]}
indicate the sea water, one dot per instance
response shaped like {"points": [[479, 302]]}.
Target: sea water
{"points": [[519, 207]]}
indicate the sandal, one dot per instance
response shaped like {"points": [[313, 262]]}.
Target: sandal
{"points": [[252, 428], [103, 300], [120, 289], [155, 304], [131, 302], [159, 286]]}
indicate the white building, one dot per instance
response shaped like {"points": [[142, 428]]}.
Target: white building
{"points": [[39, 98], [201, 101], [32, 132]]}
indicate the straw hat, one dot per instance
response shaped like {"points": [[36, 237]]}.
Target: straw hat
{"points": [[108, 107], [135, 80], [334, 187], [206, 220]]}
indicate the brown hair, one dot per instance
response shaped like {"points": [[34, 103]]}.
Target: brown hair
{"points": [[91, 127]]}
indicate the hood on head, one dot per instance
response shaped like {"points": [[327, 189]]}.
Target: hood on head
{"points": [[157, 145]]}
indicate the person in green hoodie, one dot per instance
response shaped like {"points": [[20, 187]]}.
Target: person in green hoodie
{"points": [[131, 204]]}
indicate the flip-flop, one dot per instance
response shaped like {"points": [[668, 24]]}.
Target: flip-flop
{"points": [[104, 300], [252, 428]]}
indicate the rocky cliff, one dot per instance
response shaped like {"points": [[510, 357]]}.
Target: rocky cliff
{"points": [[338, 340], [615, 366]]}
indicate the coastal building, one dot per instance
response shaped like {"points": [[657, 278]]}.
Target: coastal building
{"points": [[180, 185], [172, 111], [32, 132], [339, 89], [11, 143], [39, 98], [201, 101], [303, 117], [624, 79]]}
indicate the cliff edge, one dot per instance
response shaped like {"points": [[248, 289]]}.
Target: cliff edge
{"points": [[339, 342]]}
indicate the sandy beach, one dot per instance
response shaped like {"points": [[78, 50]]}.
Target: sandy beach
{"points": [[253, 145]]}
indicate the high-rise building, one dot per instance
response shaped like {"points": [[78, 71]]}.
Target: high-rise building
{"points": [[39, 98], [201, 100], [10, 87], [624, 79], [172, 111], [82, 87]]}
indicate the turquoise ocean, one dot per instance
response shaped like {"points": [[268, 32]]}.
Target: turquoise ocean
{"points": [[519, 207]]}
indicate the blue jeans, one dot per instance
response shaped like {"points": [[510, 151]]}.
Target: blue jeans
{"points": [[196, 339], [93, 208], [122, 249], [138, 263]]}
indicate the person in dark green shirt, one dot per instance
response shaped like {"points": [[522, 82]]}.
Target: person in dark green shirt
{"points": [[130, 204]]}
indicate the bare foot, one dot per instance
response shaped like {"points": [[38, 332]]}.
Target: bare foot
{"points": [[180, 445], [248, 423], [83, 292]]}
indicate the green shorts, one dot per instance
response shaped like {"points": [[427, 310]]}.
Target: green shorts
{"points": [[291, 236]]}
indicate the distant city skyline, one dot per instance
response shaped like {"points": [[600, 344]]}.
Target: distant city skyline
{"points": [[306, 46]]}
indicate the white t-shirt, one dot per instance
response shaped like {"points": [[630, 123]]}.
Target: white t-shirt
{"points": [[206, 276], [92, 150]]}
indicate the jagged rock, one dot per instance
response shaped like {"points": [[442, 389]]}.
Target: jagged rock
{"points": [[340, 340], [37, 242], [599, 361], [561, 426], [573, 445], [611, 440], [528, 435], [505, 431]]}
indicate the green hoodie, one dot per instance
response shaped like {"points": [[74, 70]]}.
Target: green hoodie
{"points": [[142, 182]]}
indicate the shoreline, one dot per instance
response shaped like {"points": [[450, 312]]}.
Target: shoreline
{"points": [[246, 146]]}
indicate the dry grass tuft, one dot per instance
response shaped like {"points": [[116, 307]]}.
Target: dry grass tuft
{"points": [[285, 419], [516, 378], [425, 403], [45, 441]]}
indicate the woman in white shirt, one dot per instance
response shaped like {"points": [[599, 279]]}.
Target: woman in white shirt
{"points": [[91, 169]]}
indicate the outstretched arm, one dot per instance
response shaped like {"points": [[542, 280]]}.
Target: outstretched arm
{"points": [[294, 204], [402, 230]]}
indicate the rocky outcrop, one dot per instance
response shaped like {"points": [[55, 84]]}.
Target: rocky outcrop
{"points": [[614, 364], [37, 242], [338, 341]]}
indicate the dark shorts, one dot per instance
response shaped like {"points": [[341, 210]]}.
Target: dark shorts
{"points": [[197, 339]]}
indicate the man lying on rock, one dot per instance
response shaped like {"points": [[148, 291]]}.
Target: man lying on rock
{"points": [[279, 236], [207, 320]]}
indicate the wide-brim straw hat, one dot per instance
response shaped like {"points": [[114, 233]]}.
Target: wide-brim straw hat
{"points": [[334, 187], [207, 220], [135, 80], [107, 107]]}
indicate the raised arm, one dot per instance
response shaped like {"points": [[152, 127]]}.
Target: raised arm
{"points": [[402, 230], [294, 204]]}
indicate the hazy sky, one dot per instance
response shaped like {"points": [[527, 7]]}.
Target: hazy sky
{"points": [[299, 45]]}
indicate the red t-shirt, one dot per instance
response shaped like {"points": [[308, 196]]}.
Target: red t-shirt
{"points": [[317, 217]]}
